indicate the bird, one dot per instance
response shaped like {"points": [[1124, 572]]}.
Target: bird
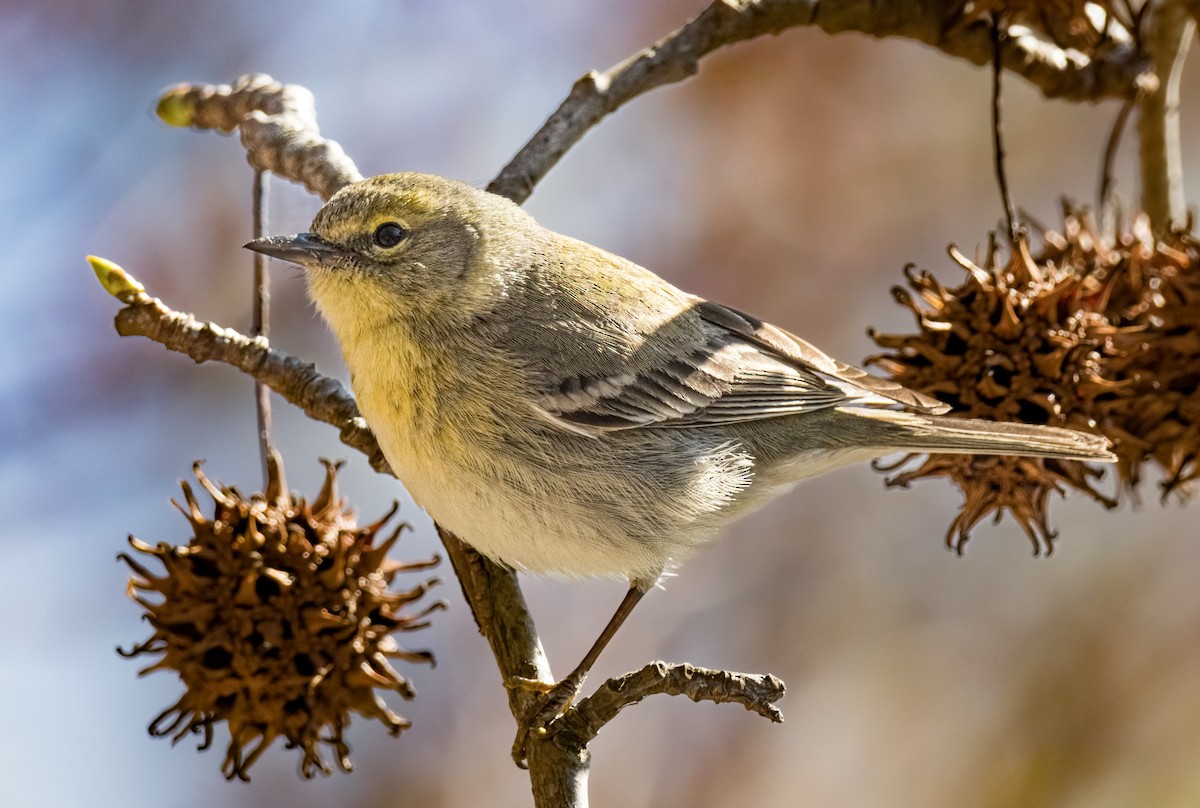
{"points": [[566, 411]]}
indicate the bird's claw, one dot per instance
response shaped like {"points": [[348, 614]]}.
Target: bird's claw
{"points": [[555, 700], [540, 686]]}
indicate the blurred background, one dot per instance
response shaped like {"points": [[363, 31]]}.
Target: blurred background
{"points": [[793, 177]]}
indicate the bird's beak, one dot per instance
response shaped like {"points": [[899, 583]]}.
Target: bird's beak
{"points": [[301, 248]]}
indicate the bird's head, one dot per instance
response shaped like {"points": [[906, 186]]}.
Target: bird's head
{"points": [[403, 245]]}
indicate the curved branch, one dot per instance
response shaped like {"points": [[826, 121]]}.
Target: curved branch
{"points": [[1119, 72], [278, 124], [755, 691]]}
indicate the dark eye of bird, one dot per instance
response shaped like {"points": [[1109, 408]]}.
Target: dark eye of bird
{"points": [[389, 234]]}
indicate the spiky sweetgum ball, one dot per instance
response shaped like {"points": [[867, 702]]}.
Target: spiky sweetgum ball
{"points": [[1020, 340], [278, 618], [1154, 418], [1096, 332]]}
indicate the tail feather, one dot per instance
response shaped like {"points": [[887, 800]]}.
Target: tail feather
{"points": [[944, 434]]}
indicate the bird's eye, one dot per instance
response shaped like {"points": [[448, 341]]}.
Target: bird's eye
{"points": [[389, 234]]}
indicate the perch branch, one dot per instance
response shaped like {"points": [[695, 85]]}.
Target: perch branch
{"points": [[1119, 72], [1010, 211]]}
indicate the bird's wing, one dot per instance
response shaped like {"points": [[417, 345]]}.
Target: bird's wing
{"points": [[734, 368], [788, 346]]}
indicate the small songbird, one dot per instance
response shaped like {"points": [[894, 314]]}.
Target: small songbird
{"points": [[565, 411]]}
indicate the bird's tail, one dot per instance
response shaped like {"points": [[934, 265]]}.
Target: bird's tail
{"points": [[942, 434]]}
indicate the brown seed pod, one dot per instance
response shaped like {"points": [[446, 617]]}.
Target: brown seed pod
{"points": [[278, 617], [1157, 358], [1094, 333], [1018, 341]]}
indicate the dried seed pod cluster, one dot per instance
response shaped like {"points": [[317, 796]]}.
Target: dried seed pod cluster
{"points": [[278, 618], [1094, 334]]}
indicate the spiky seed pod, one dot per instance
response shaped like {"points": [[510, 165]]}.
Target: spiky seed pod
{"points": [[1097, 332], [1166, 416], [1154, 415], [1024, 341], [278, 617]]}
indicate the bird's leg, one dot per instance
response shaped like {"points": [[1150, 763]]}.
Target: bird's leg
{"points": [[560, 696]]}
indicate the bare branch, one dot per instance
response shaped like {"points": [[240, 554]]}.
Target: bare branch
{"points": [[1010, 211], [754, 691], [1170, 33], [260, 310], [557, 773], [278, 125], [320, 397], [1120, 72], [1105, 200]]}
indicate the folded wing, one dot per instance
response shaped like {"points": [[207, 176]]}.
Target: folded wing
{"points": [[736, 368]]}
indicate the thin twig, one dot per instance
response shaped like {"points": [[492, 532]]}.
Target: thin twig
{"points": [[1105, 199], [1010, 212], [261, 322]]}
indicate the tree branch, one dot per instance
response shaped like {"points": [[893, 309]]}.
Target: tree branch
{"points": [[755, 691], [1170, 32], [278, 125], [1118, 72], [319, 397]]}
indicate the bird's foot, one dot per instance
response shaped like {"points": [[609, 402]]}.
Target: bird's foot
{"points": [[553, 701], [539, 686]]}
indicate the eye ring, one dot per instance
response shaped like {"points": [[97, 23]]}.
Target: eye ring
{"points": [[388, 234]]}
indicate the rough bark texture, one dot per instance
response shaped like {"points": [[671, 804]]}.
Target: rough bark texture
{"points": [[1056, 72]]}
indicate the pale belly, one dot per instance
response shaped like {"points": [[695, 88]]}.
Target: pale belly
{"points": [[619, 506], [530, 525]]}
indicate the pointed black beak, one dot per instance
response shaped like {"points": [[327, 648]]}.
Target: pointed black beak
{"points": [[301, 248]]}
